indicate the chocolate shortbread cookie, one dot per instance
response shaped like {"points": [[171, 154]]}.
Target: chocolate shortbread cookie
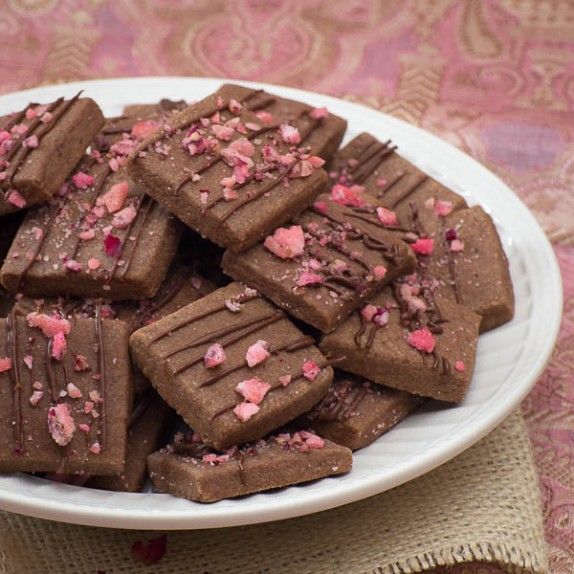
{"points": [[190, 469], [40, 145], [230, 169], [323, 266], [232, 365], [407, 339], [65, 392], [101, 237], [355, 412]]}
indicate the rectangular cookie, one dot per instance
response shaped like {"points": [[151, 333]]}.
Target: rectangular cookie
{"points": [[367, 165], [8, 228], [189, 469], [101, 237], [40, 145], [471, 268], [356, 412], [164, 106], [198, 359], [323, 266], [231, 173], [406, 339], [149, 423], [65, 394]]}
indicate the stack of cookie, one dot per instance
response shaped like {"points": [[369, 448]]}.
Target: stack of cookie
{"points": [[289, 302]]}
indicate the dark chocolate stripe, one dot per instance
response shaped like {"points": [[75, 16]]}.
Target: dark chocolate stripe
{"points": [[290, 347], [228, 330], [14, 373], [390, 184], [102, 382], [407, 192], [367, 165], [16, 119], [451, 264], [50, 372], [341, 402], [240, 297]]}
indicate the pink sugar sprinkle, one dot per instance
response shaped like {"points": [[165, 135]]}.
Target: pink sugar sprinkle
{"points": [[223, 133], [312, 440], [59, 346], [38, 233], [422, 340], [319, 113], [308, 278], [36, 397], [95, 448], [80, 363], [31, 142], [289, 134], [112, 245], [115, 197], [320, 206], [257, 353], [310, 370], [442, 208], [234, 106], [87, 235], [88, 407], [381, 317], [423, 246], [94, 264], [5, 364], [84, 428], [386, 216], [368, 312], [31, 113], [46, 117], [456, 245], [380, 271], [83, 180], [15, 199], [95, 396], [253, 390], [143, 129], [264, 116], [29, 361], [286, 243], [61, 424], [4, 136], [352, 196], [244, 411], [459, 366], [124, 218], [285, 380], [381, 182], [214, 356], [73, 265], [73, 391], [49, 325]]}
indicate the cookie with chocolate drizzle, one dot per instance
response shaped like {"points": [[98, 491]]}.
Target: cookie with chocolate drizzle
{"points": [[39, 147], [190, 469], [232, 365]]}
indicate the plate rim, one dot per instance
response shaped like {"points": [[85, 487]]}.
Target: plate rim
{"points": [[103, 515]]}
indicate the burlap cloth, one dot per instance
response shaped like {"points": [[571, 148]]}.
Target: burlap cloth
{"points": [[483, 506]]}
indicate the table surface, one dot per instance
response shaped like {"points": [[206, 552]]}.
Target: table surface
{"points": [[494, 78]]}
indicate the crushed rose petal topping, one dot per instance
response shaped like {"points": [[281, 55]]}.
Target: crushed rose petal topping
{"points": [[422, 340], [214, 356], [253, 390], [257, 353], [286, 243], [61, 424]]}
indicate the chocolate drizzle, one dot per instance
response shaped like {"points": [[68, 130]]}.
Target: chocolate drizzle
{"points": [[14, 372], [102, 382], [370, 158], [342, 401], [408, 191]]}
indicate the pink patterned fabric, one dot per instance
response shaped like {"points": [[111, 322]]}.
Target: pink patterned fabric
{"points": [[494, 78]]}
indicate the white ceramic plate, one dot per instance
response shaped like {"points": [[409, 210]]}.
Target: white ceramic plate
{"points": [[510, 358]]}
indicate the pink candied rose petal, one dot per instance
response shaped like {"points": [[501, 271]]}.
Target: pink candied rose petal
{"points": [[115, 197], [73, 391], [286, 243], [423, 246], [442, 208], [368, 312], [386, 216], [316, 161], [308, 278], [381, 182], [234, 106], [310, 370], [264, 116], [50, 326], [61, 424], [59, 346], [257, 353], [456, 245], [143, 129], [253, 390], [244, 411], [223, 133], [5, 364], [422, 340], [84, 427], [459, 366], [289, 134], [320, 206], [29, 361], [87, 235], [80, 363], [112, 245], [285, 380], [214, 356], [15, 199], [381, 317], [94, 264], [82, 180], [36, 397], [125, 217], [312, 440], [380, 271], [319, 113], [31, 142], [73, 265], [352, 196]]}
